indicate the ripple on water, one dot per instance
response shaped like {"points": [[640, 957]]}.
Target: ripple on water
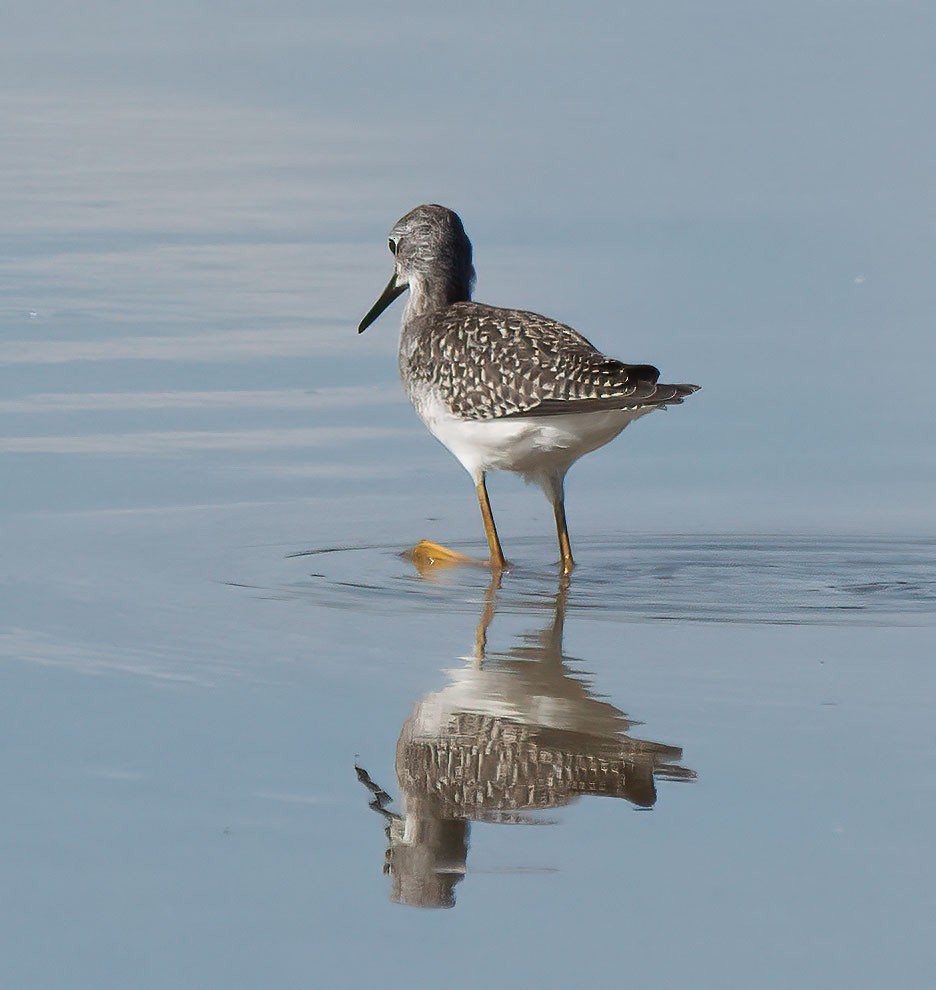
{"points": [[760, 579]]}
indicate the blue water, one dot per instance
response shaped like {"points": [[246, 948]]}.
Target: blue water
{"points": [[243, 741]]}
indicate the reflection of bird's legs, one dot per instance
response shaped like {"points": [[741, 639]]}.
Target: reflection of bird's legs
{"points": [[550, 637], [554, 634], [487, 617]]}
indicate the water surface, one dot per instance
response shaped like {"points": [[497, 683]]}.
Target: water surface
{"points": [[244, 742]]}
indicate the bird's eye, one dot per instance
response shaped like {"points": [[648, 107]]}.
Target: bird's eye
{"points": [[392, 245]]}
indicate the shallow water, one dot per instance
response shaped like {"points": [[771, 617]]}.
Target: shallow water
{"points": [[191, 732], [724, 578], [244, 741]]}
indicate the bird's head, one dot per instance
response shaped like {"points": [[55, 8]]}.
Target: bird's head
{"points": [[431, 257]]}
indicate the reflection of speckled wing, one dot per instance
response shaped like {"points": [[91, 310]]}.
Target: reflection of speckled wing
{"points": [[482, 766], [489, 363]]}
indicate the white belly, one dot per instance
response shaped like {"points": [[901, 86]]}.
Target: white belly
{"points": [[538, 447]]}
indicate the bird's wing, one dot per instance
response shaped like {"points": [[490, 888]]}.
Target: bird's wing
{"points": [[491, 363], [663, 395]]}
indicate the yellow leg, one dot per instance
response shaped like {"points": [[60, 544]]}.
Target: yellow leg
{"points": [[565, 548], [498, 560]]}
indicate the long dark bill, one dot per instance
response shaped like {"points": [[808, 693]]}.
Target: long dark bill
{"points": [[386, 297]]}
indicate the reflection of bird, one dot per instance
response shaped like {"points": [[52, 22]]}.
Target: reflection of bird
{"points": [[503, 389], [512, 734]]}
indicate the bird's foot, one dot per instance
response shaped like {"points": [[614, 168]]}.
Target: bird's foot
{"points": [[428, 556]]}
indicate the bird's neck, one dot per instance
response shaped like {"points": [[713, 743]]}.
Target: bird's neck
{"points": [[430, 296]]}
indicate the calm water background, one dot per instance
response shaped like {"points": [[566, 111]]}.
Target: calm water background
{"points": [[195, 201]]}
